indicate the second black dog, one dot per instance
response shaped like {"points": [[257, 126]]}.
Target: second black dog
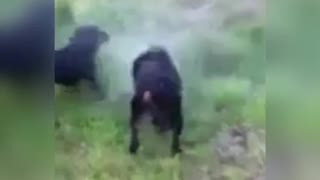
{"points": [[76, 61], [158, 89]]}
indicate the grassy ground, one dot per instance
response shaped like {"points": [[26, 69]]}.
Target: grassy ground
{"points": [[92, 142]]}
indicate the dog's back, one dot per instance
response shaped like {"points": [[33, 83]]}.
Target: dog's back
{"points": [[155, 71]]}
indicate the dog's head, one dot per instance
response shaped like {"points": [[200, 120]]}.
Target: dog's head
{"points": [[90, 35]]}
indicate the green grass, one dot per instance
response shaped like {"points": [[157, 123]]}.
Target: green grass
{"points": [[93, 140]]}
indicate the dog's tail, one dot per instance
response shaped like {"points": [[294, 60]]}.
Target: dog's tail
{"points": [[147, 97], [157, 116]]}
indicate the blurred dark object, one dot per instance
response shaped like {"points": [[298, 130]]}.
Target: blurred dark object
{"points": [[26, 47]]}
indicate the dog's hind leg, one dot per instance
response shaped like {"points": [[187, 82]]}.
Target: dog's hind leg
{"points": [[177, 122], [136, 111]]}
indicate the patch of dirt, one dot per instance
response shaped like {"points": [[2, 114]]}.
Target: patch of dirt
{"points": [[240, 151]]}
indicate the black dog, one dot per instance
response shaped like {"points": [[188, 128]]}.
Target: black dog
{"points": [[158, 89], [76, 61]]}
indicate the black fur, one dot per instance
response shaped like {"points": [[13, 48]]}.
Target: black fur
{"points": [[154, 72], [76, 61]]}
